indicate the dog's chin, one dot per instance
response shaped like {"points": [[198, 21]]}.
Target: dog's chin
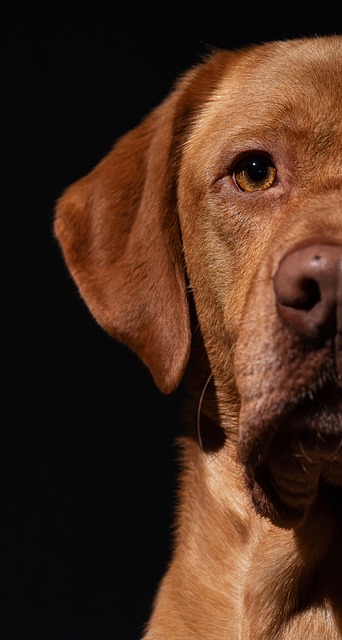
{"points": [[295, 454]]}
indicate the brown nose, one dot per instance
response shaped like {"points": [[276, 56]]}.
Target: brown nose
{"points": [[308, 289]]}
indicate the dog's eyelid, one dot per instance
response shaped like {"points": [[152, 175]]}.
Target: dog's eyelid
{"points": [[229, 162]]}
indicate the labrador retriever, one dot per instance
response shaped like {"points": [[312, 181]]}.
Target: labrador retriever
{"points": [[209, 241]]}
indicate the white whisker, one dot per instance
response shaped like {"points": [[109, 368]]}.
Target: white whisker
{"points": [[304, 452], [334, 453], [199, 411]]}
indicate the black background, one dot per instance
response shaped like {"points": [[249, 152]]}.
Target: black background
{"points": [[87, 455]]}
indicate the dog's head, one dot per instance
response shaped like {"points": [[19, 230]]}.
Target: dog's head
{"points": [[231, 189]]}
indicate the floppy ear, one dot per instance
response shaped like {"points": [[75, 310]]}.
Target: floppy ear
{"points": [[118, 229], [119, 232]]}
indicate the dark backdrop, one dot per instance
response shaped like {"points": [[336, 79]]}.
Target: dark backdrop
{"points": [[87, 455]]}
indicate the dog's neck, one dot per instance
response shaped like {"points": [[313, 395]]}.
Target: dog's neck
{"points": [[244, 564]]}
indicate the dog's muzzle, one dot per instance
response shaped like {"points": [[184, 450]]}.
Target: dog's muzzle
{"points": [[291, 449]]}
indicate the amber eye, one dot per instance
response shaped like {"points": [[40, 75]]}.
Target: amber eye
{"points": [[255, 173]]}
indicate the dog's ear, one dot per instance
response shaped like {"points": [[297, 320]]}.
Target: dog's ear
{"points": [[118, 229], [119, 232]]}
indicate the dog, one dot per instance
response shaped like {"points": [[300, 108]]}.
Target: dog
{"points": [[209, 241]]}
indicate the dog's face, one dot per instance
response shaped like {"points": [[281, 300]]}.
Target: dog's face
{"points": [[239, 174], [264, 161]]}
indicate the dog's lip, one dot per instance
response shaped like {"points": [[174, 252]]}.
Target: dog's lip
{"points": [[309, 413], [267, 502], [316, 421]]}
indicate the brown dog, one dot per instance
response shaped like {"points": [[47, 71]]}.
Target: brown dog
{"points": [[209, 241]]}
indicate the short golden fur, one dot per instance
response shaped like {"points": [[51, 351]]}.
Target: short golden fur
{"points": [[195, 242]]}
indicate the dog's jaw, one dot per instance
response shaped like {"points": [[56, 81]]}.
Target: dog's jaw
{"points": [[300, 453]]}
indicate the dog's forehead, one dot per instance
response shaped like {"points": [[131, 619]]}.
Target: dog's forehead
{"points": [[273, 79], [290, 88], [304, 72]]}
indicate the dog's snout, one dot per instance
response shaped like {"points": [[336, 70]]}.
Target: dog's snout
{"points": [[308, 290]]}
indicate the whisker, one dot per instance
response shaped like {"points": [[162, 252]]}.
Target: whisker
{"points": [[304, 468], [305, 455], [199, 411], [334, 453], [214, 458]]}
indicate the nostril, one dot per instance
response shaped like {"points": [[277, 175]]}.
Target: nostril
{"points": [[306, 297], [312, 294]]}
